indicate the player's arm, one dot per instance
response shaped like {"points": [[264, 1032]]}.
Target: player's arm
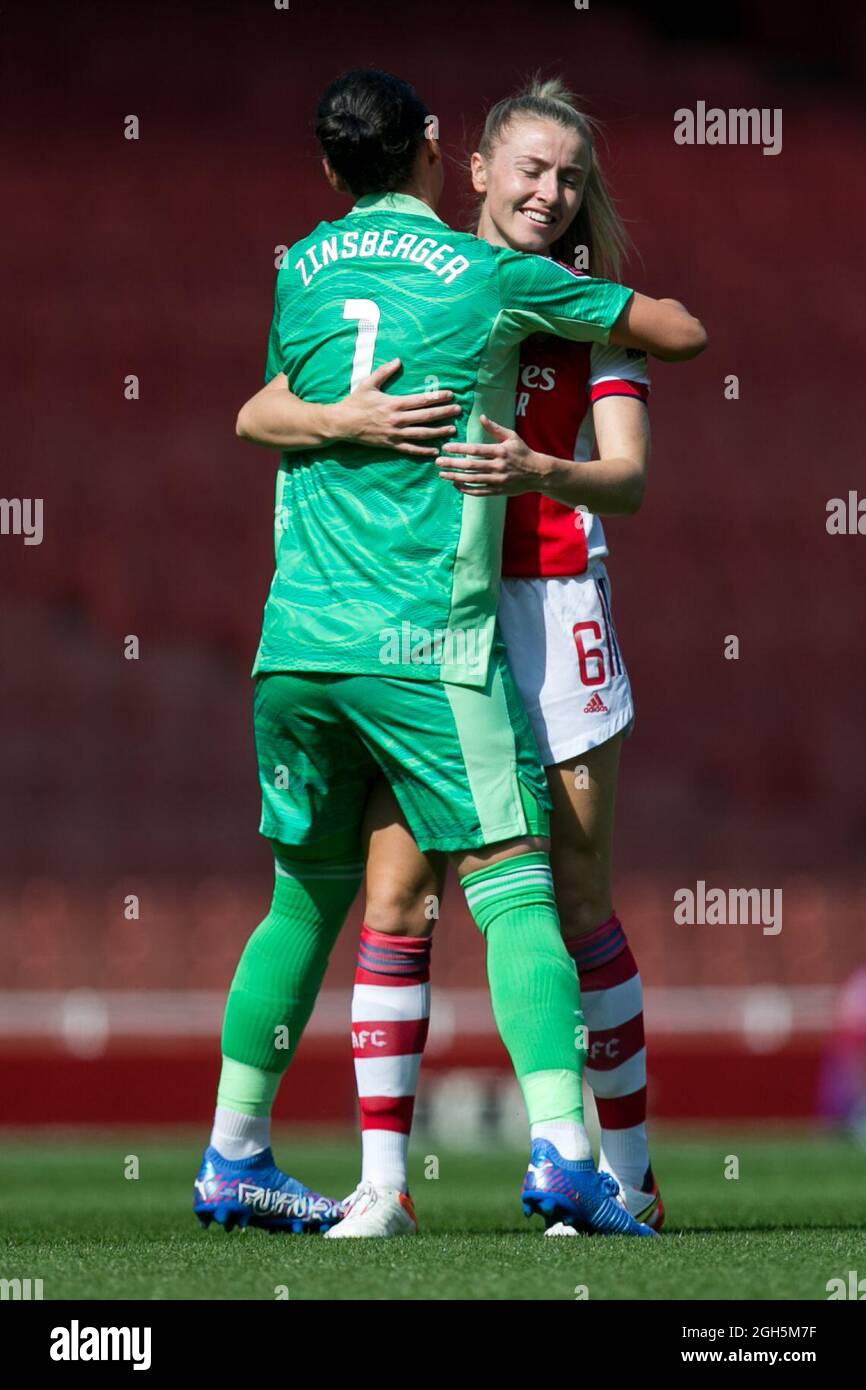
{"points": [[278, 419], [611, 485], [614, 483], [663, 327], [539, 295]]}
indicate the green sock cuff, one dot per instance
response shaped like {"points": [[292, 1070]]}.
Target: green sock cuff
{"points": [[249, 1090], [522, 884], [552, 1095], [493, 871]]}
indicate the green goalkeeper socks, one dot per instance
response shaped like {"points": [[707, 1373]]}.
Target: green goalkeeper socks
{"points": [[534, 989], [533, 985], [279, 976]]}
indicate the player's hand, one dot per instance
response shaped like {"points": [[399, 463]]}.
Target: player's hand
{"points": [[372, 416], [505, 468]]}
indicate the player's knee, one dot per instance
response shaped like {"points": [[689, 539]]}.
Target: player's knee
{"points": [[403, 911], [582, 885], [469, 862]]}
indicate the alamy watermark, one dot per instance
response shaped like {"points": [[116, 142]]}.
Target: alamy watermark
{"points": [[729, 907], [854, 1287], [737, 126], [22, 516], [846, 516], [77, 1343], [409, 645], [20, 1289]]}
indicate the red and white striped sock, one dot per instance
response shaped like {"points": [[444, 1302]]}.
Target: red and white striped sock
{"points": [[612, 1002], [390, 1018]]}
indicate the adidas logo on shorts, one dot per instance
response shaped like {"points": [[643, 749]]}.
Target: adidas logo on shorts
{"points": [[596, 705]]}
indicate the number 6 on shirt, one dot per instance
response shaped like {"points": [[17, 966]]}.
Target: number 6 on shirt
{"points": [[587, 654]]}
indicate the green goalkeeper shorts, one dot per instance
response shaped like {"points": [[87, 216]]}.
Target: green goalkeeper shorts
{"points": [[463, 762]]}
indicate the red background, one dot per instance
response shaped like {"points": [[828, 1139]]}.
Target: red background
{"points": [[156, 257]]}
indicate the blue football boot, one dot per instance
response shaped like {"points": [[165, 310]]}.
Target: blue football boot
{"points": [[254, 1192], [574, 1194]]}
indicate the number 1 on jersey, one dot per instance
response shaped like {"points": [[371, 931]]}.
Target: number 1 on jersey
{"points": [[366, 311]]}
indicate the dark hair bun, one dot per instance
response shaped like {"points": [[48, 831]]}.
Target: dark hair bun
{"points": [[370, 126]]}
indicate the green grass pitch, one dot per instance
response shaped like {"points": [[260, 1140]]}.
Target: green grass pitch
{"points": [[793, 1219]]}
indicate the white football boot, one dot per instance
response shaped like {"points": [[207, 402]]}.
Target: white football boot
{"points": [[376, 1211], [644, 1203]]}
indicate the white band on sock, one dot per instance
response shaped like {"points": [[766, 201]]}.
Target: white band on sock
{"points": [[236, 1135], [568, 1137], [384, 1158], [625, 1153]]}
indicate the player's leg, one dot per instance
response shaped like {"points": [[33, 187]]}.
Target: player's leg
{"points": [[509, 891], [537, 1012], [390, 1012], [276, 982], [313, 775], [583, 789], [569, 668]]}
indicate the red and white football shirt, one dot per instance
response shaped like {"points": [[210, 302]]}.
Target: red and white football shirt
{"points": [[558, 383]]}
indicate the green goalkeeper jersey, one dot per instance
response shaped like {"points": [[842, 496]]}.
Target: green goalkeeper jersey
{"points": [[381, 566]]}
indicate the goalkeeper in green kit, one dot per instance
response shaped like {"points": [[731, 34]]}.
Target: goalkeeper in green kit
{"points": [[380, 655]]}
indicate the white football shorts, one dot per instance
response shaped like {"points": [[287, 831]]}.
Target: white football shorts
{"points": [[565, 657]]}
